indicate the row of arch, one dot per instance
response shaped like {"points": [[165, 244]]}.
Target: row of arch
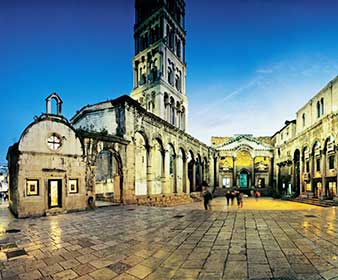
{"points": [[161, 169], [175, 112], [314, 168]]}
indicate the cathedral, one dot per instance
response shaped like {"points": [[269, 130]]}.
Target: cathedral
{"points": [[135, 149]]}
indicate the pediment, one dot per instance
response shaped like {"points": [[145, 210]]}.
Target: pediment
{"points": [[244, 142]]}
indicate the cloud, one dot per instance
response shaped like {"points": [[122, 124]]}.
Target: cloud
{"points": [[260, 106]]}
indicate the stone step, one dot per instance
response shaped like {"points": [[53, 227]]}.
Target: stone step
{"points": [[315, 201]]}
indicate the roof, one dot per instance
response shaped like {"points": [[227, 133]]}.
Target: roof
{"points": [[244, 141]]}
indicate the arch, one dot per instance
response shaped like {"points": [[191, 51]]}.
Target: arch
{"points": [[56, 98], [199, 179], [205, 168], [191, 170], [141, 159], [109, 176], [316, 168]]}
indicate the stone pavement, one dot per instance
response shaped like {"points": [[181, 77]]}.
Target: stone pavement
{"points": [[267, 239]]}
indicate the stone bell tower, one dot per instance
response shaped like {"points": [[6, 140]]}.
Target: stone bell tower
{"points": [[159, 63]]}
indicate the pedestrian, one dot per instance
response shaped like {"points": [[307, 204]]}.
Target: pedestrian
{"points": [[207, 196], [232, 197], [238, 198], [241, 199], [257, 194], [227, 196]]}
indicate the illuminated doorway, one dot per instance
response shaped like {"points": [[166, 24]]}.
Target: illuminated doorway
{"points": [[54, 193]]}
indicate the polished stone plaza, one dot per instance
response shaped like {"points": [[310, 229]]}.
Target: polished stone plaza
{"points": [[267, 239]]}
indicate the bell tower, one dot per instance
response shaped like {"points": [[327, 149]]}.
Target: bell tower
{"points": [[159, 63]]}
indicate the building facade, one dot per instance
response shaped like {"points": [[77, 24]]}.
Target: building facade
{"points": [[306, 157], [126, 150], [244, 162]]}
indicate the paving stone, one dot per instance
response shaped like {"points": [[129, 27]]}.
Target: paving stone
{"points": [[103, 274], [149, 244], [140, 271], [83, 269], [65, 275], [32, 275]]}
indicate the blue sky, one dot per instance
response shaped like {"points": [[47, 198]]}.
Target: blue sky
{"points": [[251, 63]]}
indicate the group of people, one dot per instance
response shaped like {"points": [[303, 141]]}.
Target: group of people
{"points": [[231, 195]]}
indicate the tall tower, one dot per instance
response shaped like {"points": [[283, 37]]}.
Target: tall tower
{"points": [[159, 62]]}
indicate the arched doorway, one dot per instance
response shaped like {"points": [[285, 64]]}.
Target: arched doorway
{"points": [[244, 178], [191, 171], [198, 172], [108, 177]]}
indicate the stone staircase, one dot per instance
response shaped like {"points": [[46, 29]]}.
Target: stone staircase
{"points": [[164, 200], [314, 201]]}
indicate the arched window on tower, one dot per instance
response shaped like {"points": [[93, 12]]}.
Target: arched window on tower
{"points": [[170, 76], [178, 47], [303, 119]]}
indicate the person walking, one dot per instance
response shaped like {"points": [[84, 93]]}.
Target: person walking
{"points": [[232, 197], [257, 194], [241, 196], [207, 196], [227, 196], [238, 198]]}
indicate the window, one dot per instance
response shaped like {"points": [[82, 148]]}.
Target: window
{"points": [[32, 187], [318, 164], [54, 142], [318, 109], [307, 166], [331, 162], [178, 83], [170, 76], [73, 186], [303, 119], [322, 105]]}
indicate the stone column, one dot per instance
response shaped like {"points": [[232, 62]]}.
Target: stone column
{"points": [[336, 168], [270, 183], [216, 172], [194, 175], [164, 172], [253, 172], [323, 172], [175, 175], [311, 171], [185, 178], [301, 187], [277, 178], [234, 174], [150, 175]]}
